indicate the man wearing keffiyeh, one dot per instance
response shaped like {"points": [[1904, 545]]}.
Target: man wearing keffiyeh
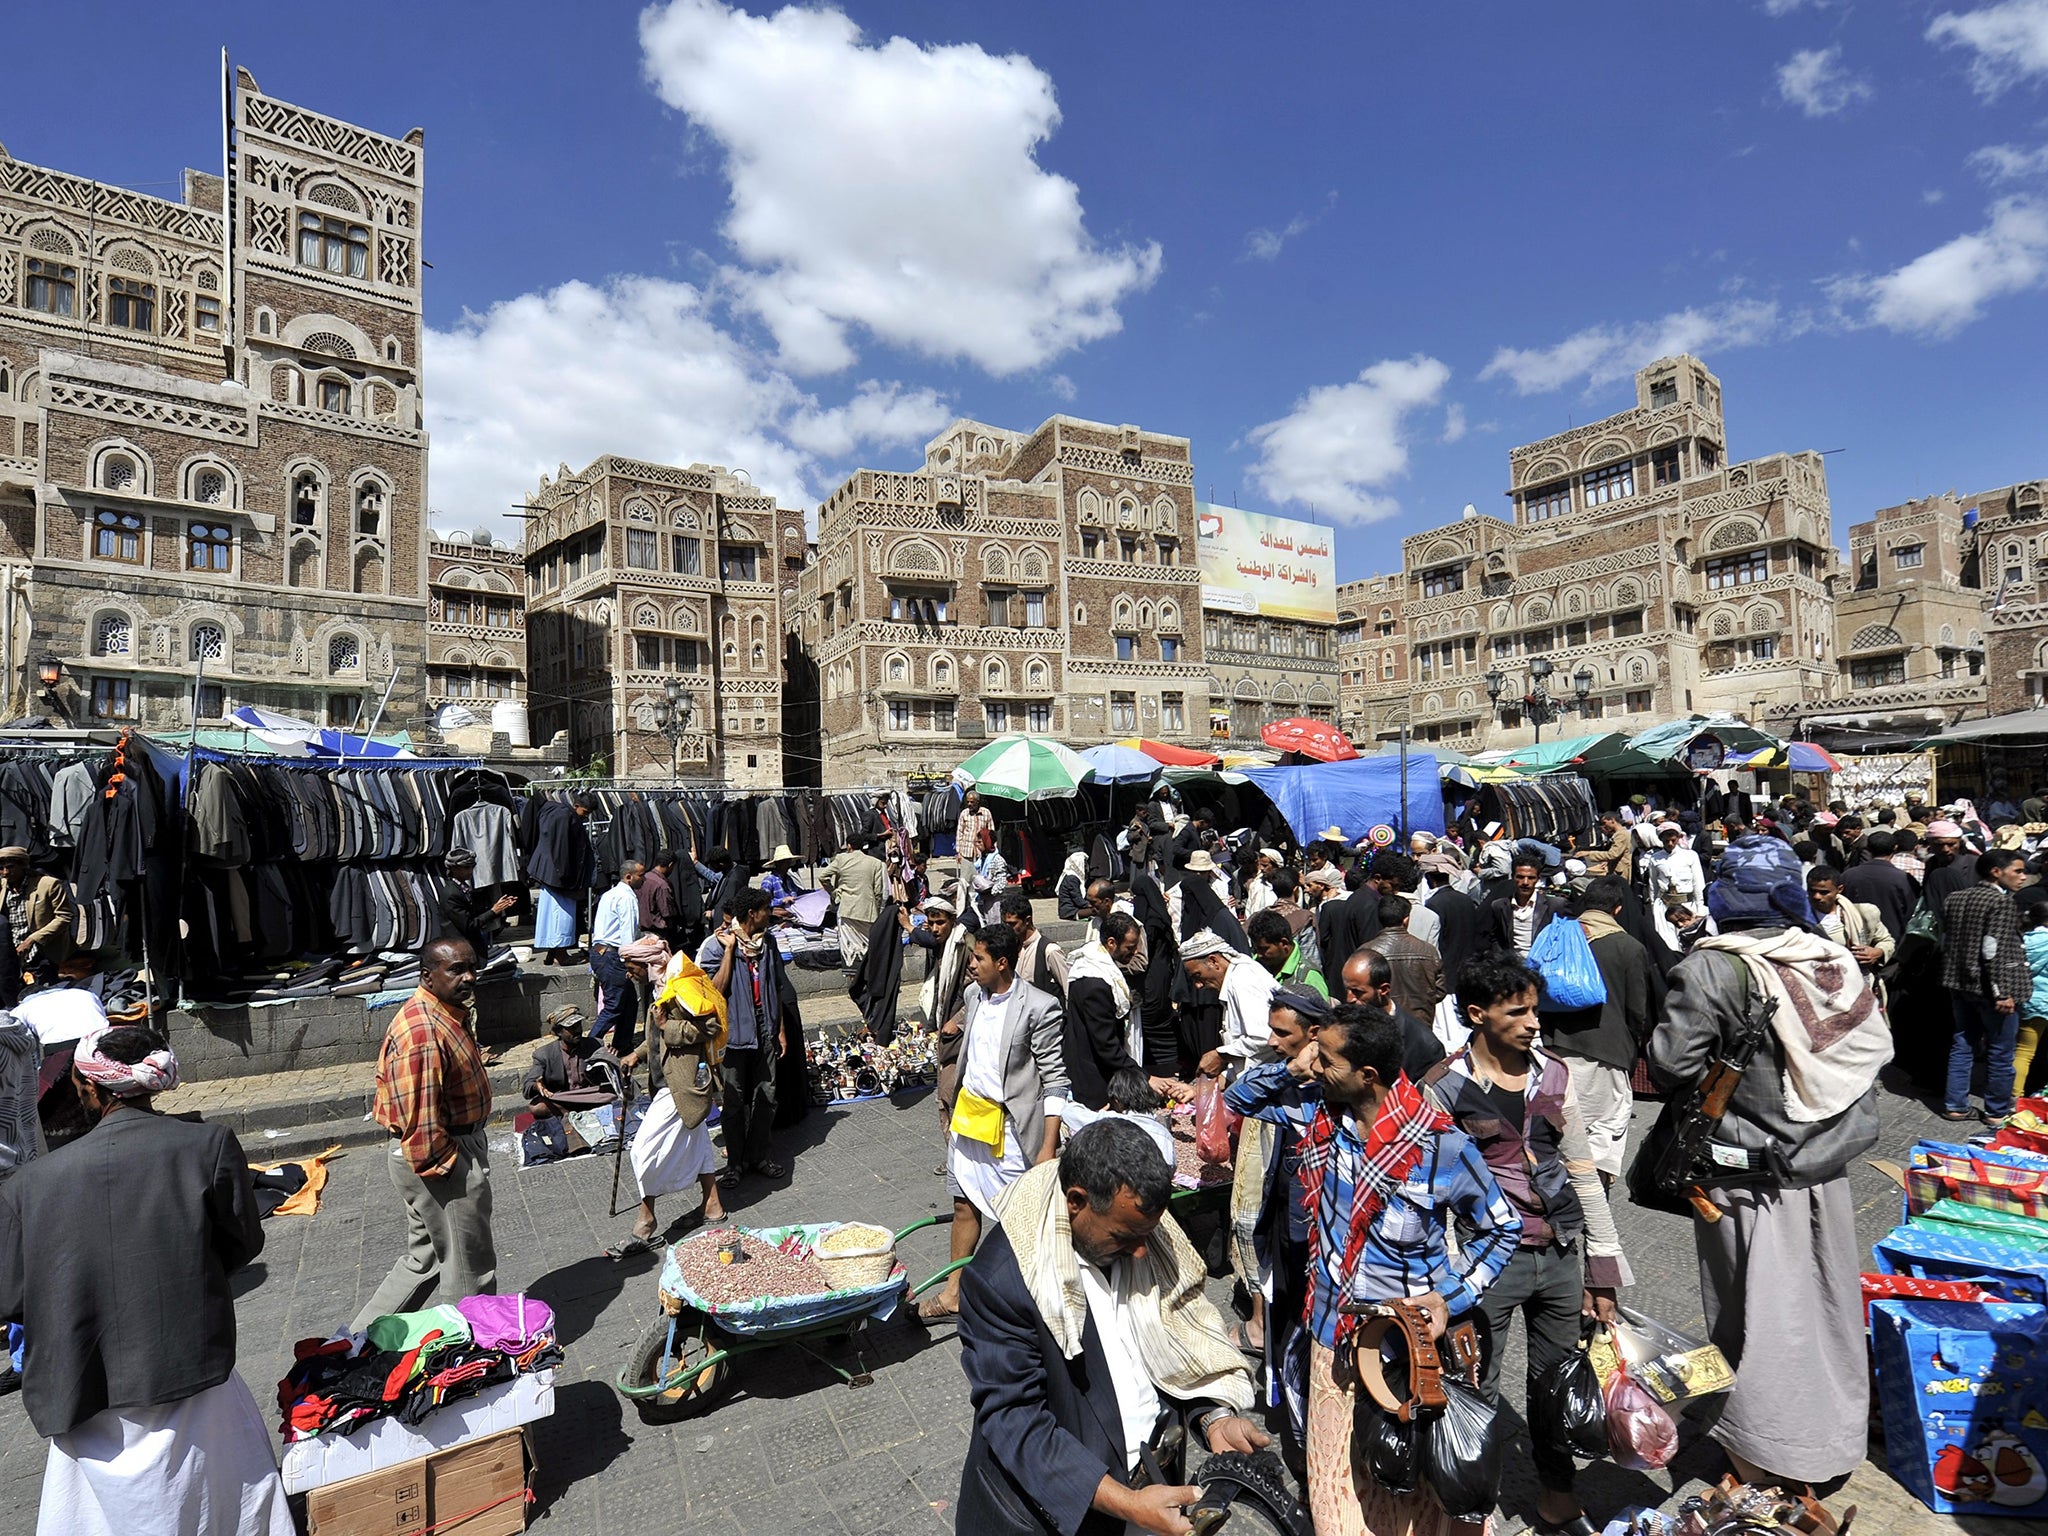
{"points": [[1383, 1173]]}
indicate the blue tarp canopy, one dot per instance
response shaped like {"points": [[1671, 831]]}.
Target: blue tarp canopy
{"points": [[1355, 796]]}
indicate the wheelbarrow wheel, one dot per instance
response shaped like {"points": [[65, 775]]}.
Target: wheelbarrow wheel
{"points": [[690, 1378]]}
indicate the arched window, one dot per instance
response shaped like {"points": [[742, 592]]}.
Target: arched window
{"points": [[1036, 677], [897, 668], [995, 676], [344, 654], [117, 472], [333, 245], [305, 499], [370, 510], [210, 486], [112, 635], [209, 642], [942, 672]]}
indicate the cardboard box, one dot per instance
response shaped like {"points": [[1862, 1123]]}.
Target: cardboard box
{"points": [[476, 1489], [324, 1459]]}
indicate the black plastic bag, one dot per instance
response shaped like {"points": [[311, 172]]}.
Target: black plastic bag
{"points": [[1567, 1411], [1461, 1453], [1384, 1449]]}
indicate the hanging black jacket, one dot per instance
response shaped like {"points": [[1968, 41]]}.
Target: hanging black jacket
{"points": [[561, 859]]}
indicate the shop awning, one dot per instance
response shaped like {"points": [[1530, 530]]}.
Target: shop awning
{"points": [[1667, 743], [2026, 724], [1583, 752]]}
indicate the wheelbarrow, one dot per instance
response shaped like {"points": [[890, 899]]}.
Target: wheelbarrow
{"points": [[686, 1355]]}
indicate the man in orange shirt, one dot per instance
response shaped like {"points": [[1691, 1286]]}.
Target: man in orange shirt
{"points": [[433, 1096]]}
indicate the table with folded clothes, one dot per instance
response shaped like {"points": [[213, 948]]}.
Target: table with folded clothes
{"points": [[413, 1382]]}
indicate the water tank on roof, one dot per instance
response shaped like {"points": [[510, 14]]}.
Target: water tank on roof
{"points": [[508, 718], [457, 537]]}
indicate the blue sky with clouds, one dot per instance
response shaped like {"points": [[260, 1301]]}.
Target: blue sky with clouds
{"points": [[1354, 254]]}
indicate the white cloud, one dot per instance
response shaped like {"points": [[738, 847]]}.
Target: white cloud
{"points": [[1342, 442], [880, 415], [1266, 244], [1938, 293], [1932, 196], [891, 187], [1454, 422], [2009, 41], [1603, 353], [1062, 387], [1814, 81], [2009, 162], [636, 366], [1777, 8]]}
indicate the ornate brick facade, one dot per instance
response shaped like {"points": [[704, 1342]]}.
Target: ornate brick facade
{"points": [[1680, 582], [641, 575], [210, 440], [1043, 582], [476, 623]]}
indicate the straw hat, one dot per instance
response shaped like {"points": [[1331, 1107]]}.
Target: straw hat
{"points": [[1199, 863], [1330, 835], [782, 855]]}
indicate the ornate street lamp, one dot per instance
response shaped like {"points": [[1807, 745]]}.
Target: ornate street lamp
{"points": [[672, 717], [1538, 705]]}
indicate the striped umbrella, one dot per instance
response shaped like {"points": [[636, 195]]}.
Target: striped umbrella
{"points": [[1024, 768]]}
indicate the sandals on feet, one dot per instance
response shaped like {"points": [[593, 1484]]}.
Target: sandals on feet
{"points": [[730, 1179], [933, 1309], [771, 1170]]}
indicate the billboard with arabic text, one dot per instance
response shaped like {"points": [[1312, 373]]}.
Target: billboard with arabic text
{"points": [[1275, 566]]}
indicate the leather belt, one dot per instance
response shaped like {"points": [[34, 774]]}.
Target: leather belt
{"points": [[1426, 1360]]}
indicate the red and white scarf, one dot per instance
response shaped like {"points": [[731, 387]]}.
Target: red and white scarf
{"points": [[1399, 1136]]}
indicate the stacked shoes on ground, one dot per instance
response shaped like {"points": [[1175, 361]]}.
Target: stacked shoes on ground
{"points": [[407, 1364]]}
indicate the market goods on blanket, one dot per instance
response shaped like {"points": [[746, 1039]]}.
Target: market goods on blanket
{"points": [[1190, 1171], [856, 1254], [765, 1269], [1964, 1391]]}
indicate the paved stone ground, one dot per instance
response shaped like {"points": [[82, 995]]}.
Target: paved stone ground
{"points": [[786, 1448]]}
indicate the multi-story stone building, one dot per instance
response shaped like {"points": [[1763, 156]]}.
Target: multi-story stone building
{"points": [[1263, 669], [210, 439], [639, 576], [1678, 581], [1041, 582], [1909, 617], [476, 622], [1372, 659], [2010, 540]]}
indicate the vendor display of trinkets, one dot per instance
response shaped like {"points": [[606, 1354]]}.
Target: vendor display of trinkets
{"points": [[856, 1067], [1732, 1508]]}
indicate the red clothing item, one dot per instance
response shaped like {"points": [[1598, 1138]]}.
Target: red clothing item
{"points": [[430, 1079]]}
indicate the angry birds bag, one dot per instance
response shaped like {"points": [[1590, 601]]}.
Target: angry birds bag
{"points": [[1964, 1391]]}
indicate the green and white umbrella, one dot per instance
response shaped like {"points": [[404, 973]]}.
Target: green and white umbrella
{"points": [[1024, 768]]}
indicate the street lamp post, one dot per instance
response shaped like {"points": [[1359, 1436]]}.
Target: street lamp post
{"points": [[672, 718], [1539, 704]]}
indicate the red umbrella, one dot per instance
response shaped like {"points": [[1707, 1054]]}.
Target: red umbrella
{"points": [[1311, 738], [1172, 756]]}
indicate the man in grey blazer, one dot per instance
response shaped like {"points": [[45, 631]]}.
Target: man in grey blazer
{"points": [[1012, 1084]]}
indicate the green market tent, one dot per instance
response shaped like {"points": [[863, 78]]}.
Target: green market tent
{"points": [[1024, 768]]}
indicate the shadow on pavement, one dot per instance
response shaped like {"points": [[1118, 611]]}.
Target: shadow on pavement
{"points": [[580, 1292], [582, 1438]]}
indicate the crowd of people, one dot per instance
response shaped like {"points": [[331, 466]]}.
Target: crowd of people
{"points": [[1427, 1122], [1426, 1119]]}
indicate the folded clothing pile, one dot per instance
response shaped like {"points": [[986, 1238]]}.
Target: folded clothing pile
{"points": [[407, 1364]]}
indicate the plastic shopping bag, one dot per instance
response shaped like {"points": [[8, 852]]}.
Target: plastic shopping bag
{"points": [[1383, 1449], [1640, 1433], [1567, 1410], [1462, 1452], [1563, 961], [1673, 1366], [1216, 1124]]}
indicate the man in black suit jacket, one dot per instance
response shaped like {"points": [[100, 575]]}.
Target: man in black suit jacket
{"points": [[1528, 892], [1096, 1042], [115, 1253], [1458, 919], [1341, 926], [1050, 1450]]}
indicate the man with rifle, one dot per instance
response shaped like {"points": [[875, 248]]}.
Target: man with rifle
{"points": [[1772, 1039]]}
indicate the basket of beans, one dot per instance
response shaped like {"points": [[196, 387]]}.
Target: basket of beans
{"points": [[854, 1254]]}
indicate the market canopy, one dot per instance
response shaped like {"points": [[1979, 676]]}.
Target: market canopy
{"points": [[1167, 753], [1583, 752], [1799, 756], [1310, 738], [1115, 763], [1671, 741], [1356, 796], [2027, 723], [1024, 768]]}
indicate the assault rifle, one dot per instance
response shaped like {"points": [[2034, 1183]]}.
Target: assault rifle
{"points": [[1690, 1159]]}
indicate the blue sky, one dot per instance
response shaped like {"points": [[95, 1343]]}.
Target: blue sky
{"points": [[1354, 256]]}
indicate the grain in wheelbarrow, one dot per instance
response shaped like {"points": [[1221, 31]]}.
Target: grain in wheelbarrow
{"points": [[856, 1255], [766, 1270]]}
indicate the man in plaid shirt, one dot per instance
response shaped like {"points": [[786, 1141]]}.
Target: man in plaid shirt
{"points": [[1984, 967], [433, 1096]]}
